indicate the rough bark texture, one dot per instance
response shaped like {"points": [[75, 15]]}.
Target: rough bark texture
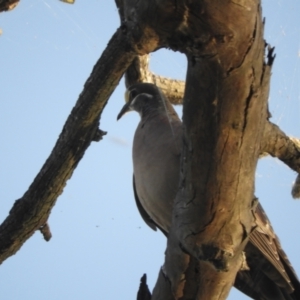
{"points": [[213, 215], [224, 124], [278, 144], [6, 5], [228, 122]]}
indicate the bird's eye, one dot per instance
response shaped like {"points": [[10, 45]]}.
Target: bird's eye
{"points": [[132, 95]]}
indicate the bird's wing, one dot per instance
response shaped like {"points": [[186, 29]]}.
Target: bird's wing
{"points": [[265, 240], [144, 214]]}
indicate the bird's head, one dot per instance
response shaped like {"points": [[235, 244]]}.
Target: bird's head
{"points": [[144, 98]]}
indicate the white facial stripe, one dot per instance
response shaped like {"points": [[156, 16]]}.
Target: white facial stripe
{"points": [[142, 94]]}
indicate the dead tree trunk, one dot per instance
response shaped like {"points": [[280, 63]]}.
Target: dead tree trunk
{"points": [[224, 114]]}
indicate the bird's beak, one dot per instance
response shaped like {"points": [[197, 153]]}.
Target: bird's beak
{"points": [[126, 108]]}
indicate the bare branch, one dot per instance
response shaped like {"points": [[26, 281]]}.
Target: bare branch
{"points": [[139, 72], [31, 212], [6, 5], [278, 144]]}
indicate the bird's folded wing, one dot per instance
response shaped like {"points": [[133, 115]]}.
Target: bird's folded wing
{"points": [[143, 212], [266, 241]]}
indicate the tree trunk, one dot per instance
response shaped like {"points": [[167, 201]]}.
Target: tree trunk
{"points": [[224, 114]]}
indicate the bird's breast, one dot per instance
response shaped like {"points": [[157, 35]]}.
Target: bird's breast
{"points": [[156, 170]]}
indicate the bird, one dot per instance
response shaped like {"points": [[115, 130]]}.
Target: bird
{"points": [[156, 165]]}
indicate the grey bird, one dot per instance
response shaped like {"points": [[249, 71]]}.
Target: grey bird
{"points": [[156, 161]]}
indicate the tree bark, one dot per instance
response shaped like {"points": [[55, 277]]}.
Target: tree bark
{"points": [[6, 5], [224, 124]]}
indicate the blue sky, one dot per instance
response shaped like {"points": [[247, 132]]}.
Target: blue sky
{"points": [[100, 246]]}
